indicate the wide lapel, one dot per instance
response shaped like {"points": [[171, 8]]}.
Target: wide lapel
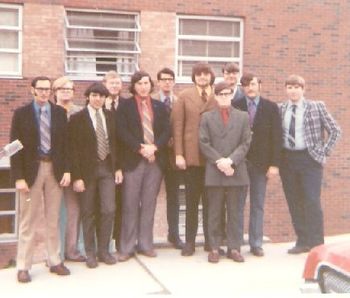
{"points": [[307, 114], [53, 124], [32, 124], [217, 122], [283, 110], [134, 114], [231, 120], [108, 125]]}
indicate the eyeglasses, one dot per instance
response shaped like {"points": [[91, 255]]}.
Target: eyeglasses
{"points": [[42, 90], [224, 94], [166, 79], [65, 89]]}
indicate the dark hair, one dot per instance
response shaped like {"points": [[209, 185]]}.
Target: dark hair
{"points": [[247, 78], [137, 76], [40, 78], [165, 70], [230, 67], [221, 86], [201, 67], [98, 88]]}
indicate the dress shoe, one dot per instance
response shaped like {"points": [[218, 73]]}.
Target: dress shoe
{"points": [[188, 249], [222, 252], [91, 262], [124, 258], [207, 247], [60, 269], [23, 276], [176, 242], [298, 250], [78, 258], [148, 253], [107, 259], [213, 257], [257, 251], [235, 255]]}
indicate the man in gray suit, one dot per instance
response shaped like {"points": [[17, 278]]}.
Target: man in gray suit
{"points": [[230, 72], [224, 139]]}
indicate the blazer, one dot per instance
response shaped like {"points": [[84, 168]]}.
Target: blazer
{"points": [[232, 140], [266, 145], [316, 121], [239, 94], [25, 163], [83, 145], [130, 132], [186, 117]]}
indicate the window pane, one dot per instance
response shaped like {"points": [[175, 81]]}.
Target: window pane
{"points": [[193, 27], [8, 62], [8, 39], [185, 68], [7, 224], [192, 48], [223, 49], [7, 201], [8, 17]]}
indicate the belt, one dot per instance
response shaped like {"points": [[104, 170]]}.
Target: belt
{"points": [[45, 158]]}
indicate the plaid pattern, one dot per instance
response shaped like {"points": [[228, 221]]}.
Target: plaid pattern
{"points": [[317, 120]]}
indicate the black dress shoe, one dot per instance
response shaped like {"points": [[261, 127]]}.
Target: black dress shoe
{"points": [[91, 262], [60, 269], [107, 258], [23, 276], [257, 251], [176, 242], [188, 249], [298, 250]]}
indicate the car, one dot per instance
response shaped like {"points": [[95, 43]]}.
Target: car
{"points": [[327, 269]]}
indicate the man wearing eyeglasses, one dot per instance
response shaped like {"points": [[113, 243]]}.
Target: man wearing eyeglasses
{"points": [[264, 153], [230, 72], [40, 171]]}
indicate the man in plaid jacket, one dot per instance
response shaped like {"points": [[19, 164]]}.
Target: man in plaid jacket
{"points": [[305, 148]]}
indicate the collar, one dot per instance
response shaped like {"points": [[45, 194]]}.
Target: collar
{"points": [[256, 100], [208, 90], [38, 107], [93, 110], [299, 104], [162, 96]]}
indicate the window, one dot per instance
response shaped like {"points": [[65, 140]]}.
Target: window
{"points": [[10, 40], [207, 39], [99, 41]]}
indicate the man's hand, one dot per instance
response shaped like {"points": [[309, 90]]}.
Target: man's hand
{"points": [[21, 185], [224, 164], [65, 181], [118, 177], [180, 162], [78, 185], [148, 150], [272, 172]]}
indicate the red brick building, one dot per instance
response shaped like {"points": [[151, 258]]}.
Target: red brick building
{"points": [[83, 39]]}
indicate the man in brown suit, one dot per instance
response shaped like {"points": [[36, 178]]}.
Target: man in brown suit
{"points": [[187, 111]]}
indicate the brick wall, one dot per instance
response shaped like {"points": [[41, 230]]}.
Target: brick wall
{"points": [[280, 38]]}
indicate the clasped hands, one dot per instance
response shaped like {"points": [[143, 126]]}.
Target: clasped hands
{"points": [[148, 152], [224, 165]]}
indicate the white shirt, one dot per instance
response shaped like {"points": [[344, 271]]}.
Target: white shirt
{"points": [[299, 125], [92, 113]]}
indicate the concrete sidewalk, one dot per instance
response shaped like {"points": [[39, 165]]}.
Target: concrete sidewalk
{"points": [[171, 274]]}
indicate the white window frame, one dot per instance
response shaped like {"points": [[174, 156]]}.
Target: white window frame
{"points": [[239, 60], [94, 75], [18, 51]]}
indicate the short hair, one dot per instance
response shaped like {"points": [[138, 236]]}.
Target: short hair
{"points": [[98, 88], [165, 70], [221, 86], [61, 81], [39, 78], [295, 80], [247, 78], [137, 76], [112, 74], [201, 67], [230, 67]]}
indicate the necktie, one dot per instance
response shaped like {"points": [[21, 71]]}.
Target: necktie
{"points": [[291, 131], [148, 135], [204, 96], [102, 143], [167, 103], [45, 136], [224, 115], [251, 111]]}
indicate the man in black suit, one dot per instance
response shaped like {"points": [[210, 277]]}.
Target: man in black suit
{"points": [[40, 171], [95, 170], [264, 153], [144, 130]]}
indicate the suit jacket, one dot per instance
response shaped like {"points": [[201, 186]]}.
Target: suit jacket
{"points": [[130, 132], [316, 121], [83, 145], [25, 164], [186, 117], [266, 145], [239, 94], [232, 140]]}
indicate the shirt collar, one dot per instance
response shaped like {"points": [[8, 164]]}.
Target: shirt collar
{"points": [[208, 90], [299, 104], [162, 96], [256, 100], [38, 107]]}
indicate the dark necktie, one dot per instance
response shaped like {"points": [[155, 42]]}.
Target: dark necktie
{"points": [[45, 136], [102, 143], [291, 131], [167, 103], [251, 111], [204, 96]]}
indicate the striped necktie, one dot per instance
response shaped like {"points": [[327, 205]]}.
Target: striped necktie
{"points": [[45, 135], [167, 103], [148, 135], [102, 142], [291, 131], [251, 111]]}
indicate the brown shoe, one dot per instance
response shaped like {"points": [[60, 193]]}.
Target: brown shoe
{"points": [[257, 251], [23, 276], [107, 259], [78, 258], [148, 253], [91, 262], [235, 255], [213, 257], [124, 258], [60, 269], [188, 249]]}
